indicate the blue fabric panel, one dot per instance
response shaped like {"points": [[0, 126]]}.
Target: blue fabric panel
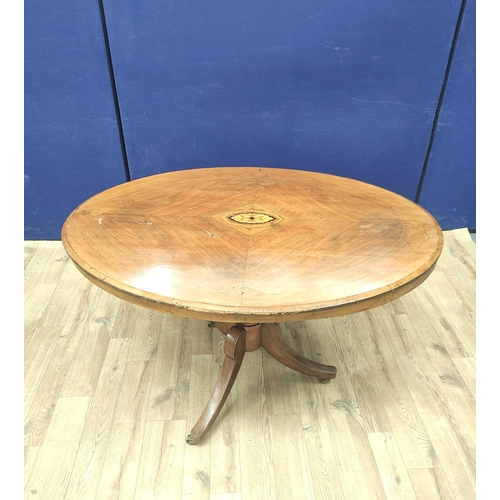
{"points": [[349, 88], [449, 189], [72, 144]]}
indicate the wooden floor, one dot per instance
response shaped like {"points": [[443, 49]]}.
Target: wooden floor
{"points": [[112, 390]]}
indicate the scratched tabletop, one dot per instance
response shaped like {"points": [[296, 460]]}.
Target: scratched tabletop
{"points": [[252, 243]]}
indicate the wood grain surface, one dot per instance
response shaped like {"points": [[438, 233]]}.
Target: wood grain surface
{"points": [[251, 244]]}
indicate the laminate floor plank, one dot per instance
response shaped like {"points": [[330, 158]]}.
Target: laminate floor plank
{"points": [[124, 323], [30, 454], [55, 349], [68, 275], [322, 447], [456, 461], [442, 382], [426, 313], [51, 471], [462, 319], [224, 442], [170, 387], [430, 484], [460, 246], [120, 469], [34, 268], [56, 267], [391, 467], [458, 383], [457, 262], [280, 384], [255, 441], [465, 291], [467, 370], [36, 360], [61, 303], [427, 387], [144, 333], [196, 480], [359, 475], [407, 425], [291, 466], [225, 496], [30, 247], [48, 391], [161, 466], [204, 335], [363, 395], [87, 469], [452, 436], [34, 309], [84, 372]]}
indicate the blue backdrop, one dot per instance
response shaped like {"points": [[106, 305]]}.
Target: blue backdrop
{"points": [[72, 144], [449, 188], [346, 88]]}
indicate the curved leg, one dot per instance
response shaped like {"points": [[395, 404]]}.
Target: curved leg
{"points": [[274, 345], [234, 350]]}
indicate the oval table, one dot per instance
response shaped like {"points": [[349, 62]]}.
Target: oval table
{"points": [[247, 248]]}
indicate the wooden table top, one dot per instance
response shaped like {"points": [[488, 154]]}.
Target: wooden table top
{"points": [[250, 244]]}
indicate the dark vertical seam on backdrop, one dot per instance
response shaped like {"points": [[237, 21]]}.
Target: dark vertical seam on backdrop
{"points": [[440, 101], [113, 90]]}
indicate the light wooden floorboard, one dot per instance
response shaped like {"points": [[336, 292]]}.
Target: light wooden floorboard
{"points": [[29, 250], [292, 472], [35, 264], [197, 461], [430, 484], [120, 468], [393, 472], [87, 469], [161, 466], [224, 442], [112, 390], [49, 476]]}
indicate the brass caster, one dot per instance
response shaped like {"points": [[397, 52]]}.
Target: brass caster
{"points": [[189, 440], [324, 380]]}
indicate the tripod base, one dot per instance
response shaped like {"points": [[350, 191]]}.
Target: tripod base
{"points": [[243, 337]]}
